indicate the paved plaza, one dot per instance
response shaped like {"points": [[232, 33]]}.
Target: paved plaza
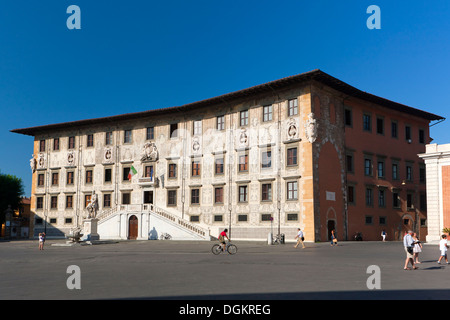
{"points": [[173, 270]]}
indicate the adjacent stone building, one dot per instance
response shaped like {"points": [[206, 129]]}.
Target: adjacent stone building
{"points": [[437, 161], [306, 151]]}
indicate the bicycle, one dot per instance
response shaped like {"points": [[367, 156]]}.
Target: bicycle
{"points": [[218, 248], [277, 239]]}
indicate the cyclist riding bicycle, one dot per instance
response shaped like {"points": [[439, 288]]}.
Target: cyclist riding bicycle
{"points": [[222, 237]]}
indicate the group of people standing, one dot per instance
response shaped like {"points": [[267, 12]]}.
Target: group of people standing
{"points": [[413, 247]]}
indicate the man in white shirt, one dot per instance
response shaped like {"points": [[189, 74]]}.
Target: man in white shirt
{"points": [[443, 246], [408, 243], [300, 238]]}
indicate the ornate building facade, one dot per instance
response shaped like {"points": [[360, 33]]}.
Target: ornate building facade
{"points": [[306, 151]]}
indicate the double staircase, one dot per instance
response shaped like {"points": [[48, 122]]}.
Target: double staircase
{"points": [[165, 219]]}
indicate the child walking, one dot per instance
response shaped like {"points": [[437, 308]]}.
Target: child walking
{"points": [[443, 246]]}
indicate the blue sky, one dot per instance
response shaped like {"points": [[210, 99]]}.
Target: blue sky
{"points": [[133, 55]]}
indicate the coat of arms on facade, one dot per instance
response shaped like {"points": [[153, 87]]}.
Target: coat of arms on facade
{"points": [[243, 138], [292, 129], [149, 152], [41, 161], [311, 128], [195, 145], [33, 163], [108, 155], [71, 158]]}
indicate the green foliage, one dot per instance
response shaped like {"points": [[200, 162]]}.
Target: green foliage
{"points": [[446, 230], [11, 191]]}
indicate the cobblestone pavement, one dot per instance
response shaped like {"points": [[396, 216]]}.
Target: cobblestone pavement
{"points": [[188, 270]]}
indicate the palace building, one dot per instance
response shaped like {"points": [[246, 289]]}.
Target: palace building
{"points": [[306, 151]]}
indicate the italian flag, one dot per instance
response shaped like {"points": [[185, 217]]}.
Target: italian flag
{"points": [[131, 173]]}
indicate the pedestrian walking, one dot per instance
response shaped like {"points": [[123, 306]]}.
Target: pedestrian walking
{"points": [[383, 235], [334, 241], [408, 243], [417, 248], [443, 247], [300, 238]]}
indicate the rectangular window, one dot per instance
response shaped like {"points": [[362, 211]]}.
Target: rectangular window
{"points": [[243, 118], [243, 193], [380, 125], [292, 107], [39, 202], [381, 198], [292, 217], [367, 167], [369, 197], [55, 178], [351, 194], [108, 175], [87, 199], [150, 133], [56, 144], [421, 136], [173, 130], [394, 131], [292, 191], [267, 113], [69, 202], [266, 192], [380, 171], [409, 201], [219, 162], [195, 196], [218, 195], [90, 140], [70, 177], [395, 200], [197, 127], [407, 132], [423, 202], [220, 123], [367, 122], [196, 168], [409, 173], [348, 117], [125, 173], [266, 159], [395, 171], [243, 162], [41, 179], [148, 172], [292, 156], [71, 144], [172, 170], [108, 138], [126, 198], [54, 202], [127, 136], [171, 197], [242, 218], [89, 176], [42, 146], [349, 163]]}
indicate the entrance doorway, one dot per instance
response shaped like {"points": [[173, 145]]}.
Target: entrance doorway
{"points": [[133, 228], [148, 197], [331, 226]]}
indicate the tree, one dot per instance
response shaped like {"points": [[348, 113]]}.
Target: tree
{"points": [[11, 191]]}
